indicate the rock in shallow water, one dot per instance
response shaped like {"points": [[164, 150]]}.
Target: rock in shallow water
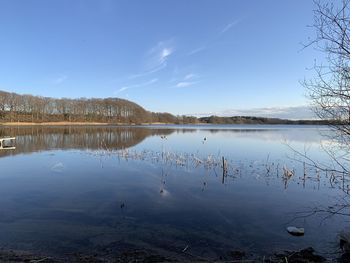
{"points": [[303, 256], [345, 241], [295, 231]]}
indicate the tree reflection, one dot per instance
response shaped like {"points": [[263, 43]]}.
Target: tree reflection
{"points": [[37, 138]]}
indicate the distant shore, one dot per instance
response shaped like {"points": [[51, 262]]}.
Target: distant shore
{"points": [[68, 123], [59, 123], [29, 110]]}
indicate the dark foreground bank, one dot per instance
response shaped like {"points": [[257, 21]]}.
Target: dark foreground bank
{"points": [[141, 255]]}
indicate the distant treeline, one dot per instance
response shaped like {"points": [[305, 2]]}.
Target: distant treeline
{"points": [[257, 120], [27, 108]]}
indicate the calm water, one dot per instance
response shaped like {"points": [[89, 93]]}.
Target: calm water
{"points": [[69, 189]]}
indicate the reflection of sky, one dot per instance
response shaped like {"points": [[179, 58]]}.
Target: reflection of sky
{"points": [[302, 133], [70, 197], [241, 143]]}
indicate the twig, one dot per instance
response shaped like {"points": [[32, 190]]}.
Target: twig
{"points": [[39, 260]]}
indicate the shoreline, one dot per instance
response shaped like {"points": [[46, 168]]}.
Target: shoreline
{"points": [[64, 123], [130, 253], [67, 123]]}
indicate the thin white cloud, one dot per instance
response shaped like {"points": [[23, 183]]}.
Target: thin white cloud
{"points": [[228, 27], [60, 79], [196, 50], [188, 80], [150, 82], [183, 84], [165, 53], [156, 59], [190, 76], [211, 42], [147, 73], [122, 89], [159, 54]]}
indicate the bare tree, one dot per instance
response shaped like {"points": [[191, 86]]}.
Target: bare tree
{"points": [[22, 108], [330, 89]]}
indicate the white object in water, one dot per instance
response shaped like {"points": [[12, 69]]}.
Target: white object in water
{"points": [[3, 145], [295, 231]]}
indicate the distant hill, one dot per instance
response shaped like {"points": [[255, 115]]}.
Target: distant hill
{"points": [[36, 109], [27, 108], [256, 120]]}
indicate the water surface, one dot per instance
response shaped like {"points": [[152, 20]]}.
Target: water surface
{"points": [[68, 189]]}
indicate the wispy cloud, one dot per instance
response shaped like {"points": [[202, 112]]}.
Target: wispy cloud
{"points": [[190, 76], [165, 53], [60, 79], [209, 43], [159, 54], [122, 89], [150, 82], [156, 58], [196, 50], [228, 27], [146, 73], [184, 84], [189, 79]]}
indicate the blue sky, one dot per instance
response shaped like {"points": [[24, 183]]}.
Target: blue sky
{"points": [[183, 56]]}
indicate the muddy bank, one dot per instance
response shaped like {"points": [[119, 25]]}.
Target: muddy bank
{"points": [[129, 254]]}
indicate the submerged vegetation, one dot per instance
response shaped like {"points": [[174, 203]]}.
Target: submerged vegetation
{"points": [[226, 169]]}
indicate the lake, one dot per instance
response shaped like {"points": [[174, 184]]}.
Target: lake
{"points": [[101, 189]]}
